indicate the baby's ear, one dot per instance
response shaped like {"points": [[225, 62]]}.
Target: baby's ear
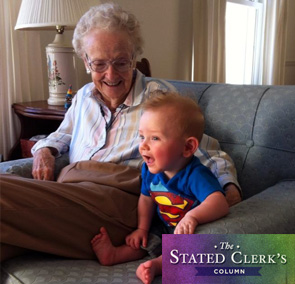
{"points": [[190, 147]]}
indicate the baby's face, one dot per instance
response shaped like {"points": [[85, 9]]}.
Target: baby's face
{"points": [[160, 146]]}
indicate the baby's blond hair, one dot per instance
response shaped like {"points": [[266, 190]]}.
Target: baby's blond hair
{"points": [[187, 117]]}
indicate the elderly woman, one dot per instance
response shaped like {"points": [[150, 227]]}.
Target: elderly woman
{"points": [[101, 185]]}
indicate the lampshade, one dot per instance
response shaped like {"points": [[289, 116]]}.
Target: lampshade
{"points": [[47, 14], [61, 59]]}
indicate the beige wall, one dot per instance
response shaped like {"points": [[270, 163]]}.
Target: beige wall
{"points": [[166, 27]]}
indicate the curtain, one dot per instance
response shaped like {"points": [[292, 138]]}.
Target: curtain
{"points": [[274, 57], [209, 40], [21, 76]]}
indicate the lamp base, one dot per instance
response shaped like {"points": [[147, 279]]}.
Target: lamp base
{"points": [[61, 64], [56, 99]]}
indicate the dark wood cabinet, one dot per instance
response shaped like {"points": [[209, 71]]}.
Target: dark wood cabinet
{"points": [[36, 118]]}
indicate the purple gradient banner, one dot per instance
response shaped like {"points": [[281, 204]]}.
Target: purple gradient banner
{"points": [[230, 259]]}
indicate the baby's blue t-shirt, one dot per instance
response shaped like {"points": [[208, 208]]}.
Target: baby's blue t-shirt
{"points": [[186, 190]]}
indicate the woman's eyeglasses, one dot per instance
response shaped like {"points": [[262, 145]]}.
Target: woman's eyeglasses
{"points": [[120, 64]]}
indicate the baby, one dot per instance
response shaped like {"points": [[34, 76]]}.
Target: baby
{"points": [[174, 183]]}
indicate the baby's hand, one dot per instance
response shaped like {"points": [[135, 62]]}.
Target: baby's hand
{"points": [[137, 238], [186, 225]]}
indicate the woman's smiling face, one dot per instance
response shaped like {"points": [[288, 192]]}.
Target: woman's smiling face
{"points": [[104, 45]]}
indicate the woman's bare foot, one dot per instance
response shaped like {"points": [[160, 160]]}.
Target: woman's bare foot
{"points": [[147, 271], [103, 248]]}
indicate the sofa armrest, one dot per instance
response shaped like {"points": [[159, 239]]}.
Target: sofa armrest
{"points": [[270, 212], [23, 167]]}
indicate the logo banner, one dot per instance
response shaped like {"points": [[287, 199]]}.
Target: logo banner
{"points": [[241, 258]]}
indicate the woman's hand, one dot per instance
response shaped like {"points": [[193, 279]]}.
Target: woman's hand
{"points": [[43, 164], [137, 238], [232, 194]]}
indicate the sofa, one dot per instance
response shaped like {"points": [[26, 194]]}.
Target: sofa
{"points": [[255, 125]]}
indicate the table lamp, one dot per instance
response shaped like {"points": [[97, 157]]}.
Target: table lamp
{"points": [[61, 60]]}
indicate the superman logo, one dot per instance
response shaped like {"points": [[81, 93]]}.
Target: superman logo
{"points": [[172, 207]]}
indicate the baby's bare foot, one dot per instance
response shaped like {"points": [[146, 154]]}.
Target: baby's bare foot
{"points": [[144, 272], [147, 271], [103, 248]]}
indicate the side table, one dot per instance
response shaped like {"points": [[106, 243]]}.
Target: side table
{"points": [[36, 118]]}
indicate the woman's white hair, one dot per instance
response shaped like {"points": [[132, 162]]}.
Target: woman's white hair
{"points": [[110, 17]]}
